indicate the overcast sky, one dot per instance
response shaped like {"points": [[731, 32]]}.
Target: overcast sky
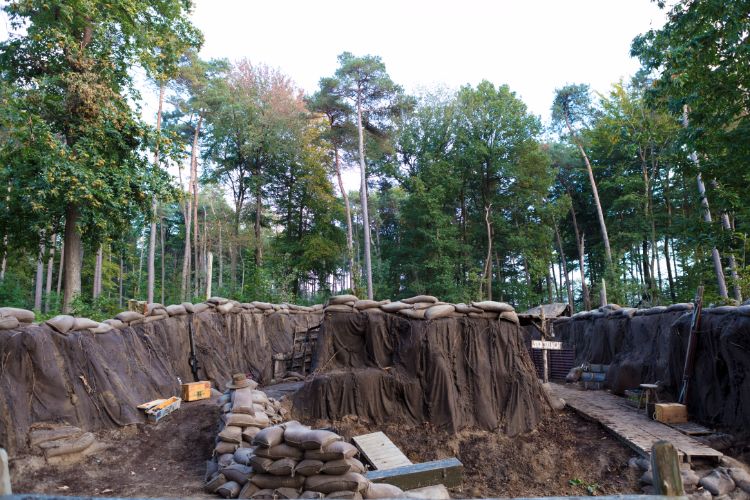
{"points": [[534, 46]]}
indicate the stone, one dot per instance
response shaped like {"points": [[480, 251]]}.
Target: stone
{"points": [[647, 477], [689, 478], [718, 482]]}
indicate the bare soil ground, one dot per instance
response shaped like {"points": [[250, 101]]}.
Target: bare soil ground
{"points": [[564, 456]]}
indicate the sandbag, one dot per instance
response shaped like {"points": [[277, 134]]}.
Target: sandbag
{"points": [[312, 495], [285, 493], [339, 450], [263, 306], [282, 450], [492, 306], [67, 446], [510, 316], [339, 308], [420, 298], [155, 317], [382, 490], [282, 467], [128, 316], [336, 467], [248, 433], [261, 464], [243, 455], [273, 482], [369, 304], [225, 308], [102, 328], [264, 494], [437, 492], [217, 300], [393, 307], [318, 439], [436, 312], [22, 315], [413, 313], [225, 460], [229, 489], [351, 481], [342, 299], [43, 435], [248, 490], [214, 483], [485, 315], [188, 307], [9, 323], [270, 436], [466, 309], [245, 420], [238, 473], [199, 308], [223, 447], [62, 323], [345, 495], [115, 323], [84, 324], [308, 467], [243, 401], [231, 434], [176, 310]]}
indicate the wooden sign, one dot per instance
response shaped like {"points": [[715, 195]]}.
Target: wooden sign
{"points": [[546, 344]]}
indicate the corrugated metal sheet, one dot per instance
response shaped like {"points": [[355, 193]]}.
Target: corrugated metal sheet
{"points": [[559, 362]]}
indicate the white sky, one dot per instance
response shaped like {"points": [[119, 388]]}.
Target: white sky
{"points": [[534, 46]]}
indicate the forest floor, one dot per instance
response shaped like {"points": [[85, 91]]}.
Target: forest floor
{"points": [[565, 455]]}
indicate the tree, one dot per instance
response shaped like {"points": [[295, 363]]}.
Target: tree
{"points": [[570, 109], [365, 82], [70, 73], [328, 101]]}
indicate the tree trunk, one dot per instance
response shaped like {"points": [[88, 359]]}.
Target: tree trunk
{"points": [[98, 272], [580, 245], [221, 260], [60, 268], [732, 263], [73, 258], [349, 238], [599, 211], [39, 282], [488, 261], [5, 258], [363, 200], [648, 279], [152, 238], [568, 287], [198, 261], [721, 282], [258, 213], [186, 262], [50, 269], [669, 269], [163, 276]]}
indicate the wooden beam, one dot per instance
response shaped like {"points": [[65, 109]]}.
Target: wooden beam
{"points": [[449, 472]]}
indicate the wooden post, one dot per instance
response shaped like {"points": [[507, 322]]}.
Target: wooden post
{"points": [[603, 294], [209, 273], [4, 474], [545, 352], [666, 469]]}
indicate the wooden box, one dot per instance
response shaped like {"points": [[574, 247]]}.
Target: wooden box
{"points": [[194, 391], [670, 413]]}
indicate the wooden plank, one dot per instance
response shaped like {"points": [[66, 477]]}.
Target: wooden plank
{"points": [[380, 451], [448, 472], [632, 426]]}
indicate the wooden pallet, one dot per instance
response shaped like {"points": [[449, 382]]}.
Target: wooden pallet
{"points": [[631, 426], [380, 451]]}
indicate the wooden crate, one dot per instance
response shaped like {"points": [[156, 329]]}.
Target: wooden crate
{"points": [[194, 391], [670, 413]]}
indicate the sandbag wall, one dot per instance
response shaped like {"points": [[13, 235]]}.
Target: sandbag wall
{"points": [[464, 369], [96, 380], [649, 345]]}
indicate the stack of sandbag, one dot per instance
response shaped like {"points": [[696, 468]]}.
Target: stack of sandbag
{"points": [[291, 460], [341, 303], [245, 411], [13, 317]]}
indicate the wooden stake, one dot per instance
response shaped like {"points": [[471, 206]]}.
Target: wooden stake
{"points": [[4, 474], [666, 469]]}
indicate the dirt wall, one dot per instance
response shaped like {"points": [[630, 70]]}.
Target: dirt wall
{"points": [[451, 372], [649, 346], [95, 381]]}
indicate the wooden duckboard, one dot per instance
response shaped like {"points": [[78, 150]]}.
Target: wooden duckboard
{"points": [[380, 451], [632, 426]]}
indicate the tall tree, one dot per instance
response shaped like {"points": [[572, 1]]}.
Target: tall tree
{"points": [[365, 82], [70, 67], [571, 110]]}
